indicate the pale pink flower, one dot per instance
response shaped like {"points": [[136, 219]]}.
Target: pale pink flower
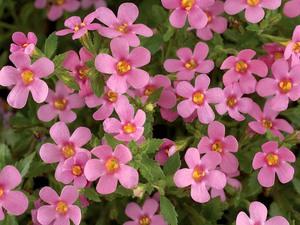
{"points": [[241, 69], [167, 149], [254, 12], [267, 120], [258, 215], [217, 142], [123, 66], [129, 127], [60, 209], [122, 25], [201, 174], [285, 85], [145, 214], [23, 43], [85, 4], [275, 52], [273, 160], [169, 114], [37, 205], [192, 9], [291, 8], [27, 78], [111, 167], [60, 103], [15, 202], [292, 50], [233, 102], [190, 62], [197, 98]]}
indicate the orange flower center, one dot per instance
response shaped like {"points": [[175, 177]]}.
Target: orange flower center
{"points": [[112, 96], [208, 16], [198, 98], [112, 165], [144, 220], [59, 2], [296, 47], [231, 101], [68, 150], [129, 128], [241, 66], [285, 86], [61, 207], [123, 67], [60, 104], [79, 26], [122, 28], [198, 174], [187, 4], [272, 159], [77, 170], [27, 76], [217, 147], [25, 45], [83, 71], [149, 90], [278, 55], [267, 123], [190, 64], [1, 192], [253, 2]]}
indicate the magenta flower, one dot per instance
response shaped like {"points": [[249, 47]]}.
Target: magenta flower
{"points": [[258, 215], [167, 149], [144, 215], [201, 174], [217, 142], [291, 8], [241, 69], [215, 23], [123, 65], [60, 103], [85, 4], [111, 167], [60, 209], [190, 62], [187, 8], [130, 127], [15, 202], [292, 50], [79, 28], [197, 98], [273, 160], [122, 25], [26, 77], [275, 52], [233, 102], [267, 120], [23, 43], [254, 12], [285, 85]]}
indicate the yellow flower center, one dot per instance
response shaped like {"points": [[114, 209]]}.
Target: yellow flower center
{"points": [[198, 174], [231, 101], [122, 28], [112, 165], [123, 67], [144, 220], [77, 170], [25, 45], [253, 2], [285, 86], [59, 2], [149, 90], [241, 66], [129, 128], [296, 47], [278, 55], [1, 192], [208, 16], [187, 4], [61, 207], [272, 159], [27, 76], [267, 123], [198, 98], [79, 26], [60, 104], [68, 150], [217, 147], [83, 71], [191, 64], [112, 96]]}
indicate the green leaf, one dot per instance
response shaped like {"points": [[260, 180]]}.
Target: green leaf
{"points": [[66, 78], [169, 34], [24, 164], [97, 82], [153, 44], [154, 97], [213, 210], [5, 156], [168, 211], [58, 59], [111, 141], [91, 194], [50, 45], [150, 170], [151, 146], [38, 168], [296, 183], [173, 164], [9, 220]]}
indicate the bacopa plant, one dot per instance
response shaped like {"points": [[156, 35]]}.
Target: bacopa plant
{"points": [[150, 112]]}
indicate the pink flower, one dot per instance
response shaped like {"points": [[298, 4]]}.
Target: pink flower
{"points": [[15, 202], [23, 43], [291, 8], [258, 215], [217, 142], [190, 62], [169, 114], [187, 8], [292, 50], [285, 85], [241, 69], [201, 174], [267, 120], [215, 23], [60, 209], [78, 27], [167, 149], [233, 102], [123, 65], [26, 78], [275, 52], [144, 215], [37, 205], [197, 98], [110, 168], [85, 4], [122, 25], [130, 127], [273, 160], [60, 103], [254, 12]]}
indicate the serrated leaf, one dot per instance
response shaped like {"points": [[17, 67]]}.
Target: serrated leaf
{"points": [[97, 82], [38, 168], [111, 141], [150, 170], [58, 59], [67, 79], [151, 146], [50, 45], [168, 211], [172, 164], [212, 210], [24, 164], [91, 194], [154, 97]]}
